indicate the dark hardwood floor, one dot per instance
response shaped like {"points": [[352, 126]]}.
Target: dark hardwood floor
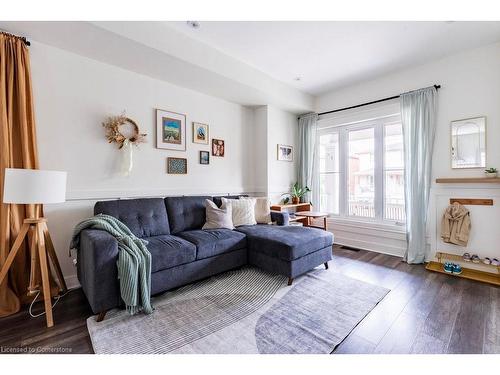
{"points": [[69, 334], [423, 313]]}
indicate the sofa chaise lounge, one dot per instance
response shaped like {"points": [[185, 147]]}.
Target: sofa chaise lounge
{"points": [[182, 252]]}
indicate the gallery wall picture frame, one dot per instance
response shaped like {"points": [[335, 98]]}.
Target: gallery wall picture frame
{"points": [[218, 147], [176, 165], [170, 130], [200, 133], [285, 153], [204, 157]]}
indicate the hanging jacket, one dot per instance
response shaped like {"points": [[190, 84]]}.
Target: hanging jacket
{"points": [[456, 224]]}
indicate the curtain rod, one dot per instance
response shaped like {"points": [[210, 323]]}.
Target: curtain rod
{"points": [[368, 103], [26, 41]]}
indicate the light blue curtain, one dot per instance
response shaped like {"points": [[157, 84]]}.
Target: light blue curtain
{"points": [[306, 155], [418, 116]]}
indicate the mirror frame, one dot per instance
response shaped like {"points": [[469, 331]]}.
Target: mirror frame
{"points": [[485, 143]]}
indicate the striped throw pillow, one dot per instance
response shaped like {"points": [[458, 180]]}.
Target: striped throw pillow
{"points": [[243, 211]]}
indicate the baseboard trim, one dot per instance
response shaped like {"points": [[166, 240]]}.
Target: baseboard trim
{"points": [[371, 246]]}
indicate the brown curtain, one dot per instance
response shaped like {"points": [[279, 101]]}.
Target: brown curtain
{"points": [[17, 150]]}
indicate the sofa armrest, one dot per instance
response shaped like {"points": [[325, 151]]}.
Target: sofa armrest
{"points": [[97, 269], [280, 217]]}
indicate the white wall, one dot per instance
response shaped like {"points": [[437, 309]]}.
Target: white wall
{"points": [[274, 126], [282, 129], [470, 86], [260, 149], [74, 94]]}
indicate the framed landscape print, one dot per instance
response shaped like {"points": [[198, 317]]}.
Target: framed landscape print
{"points": [[218, 147], [204, 157], [200, 133], [285, 153], [176, 165], [170, 130]]}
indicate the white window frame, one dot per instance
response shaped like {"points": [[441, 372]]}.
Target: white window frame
{"points": [[343, 128]]}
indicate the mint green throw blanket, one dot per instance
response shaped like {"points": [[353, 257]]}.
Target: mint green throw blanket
{"points": [[134, 261]]}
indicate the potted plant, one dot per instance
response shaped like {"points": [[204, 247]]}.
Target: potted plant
{"points": [[491, 172], [296, 193]]}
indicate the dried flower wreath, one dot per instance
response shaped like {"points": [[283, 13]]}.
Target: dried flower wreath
{"points": [[113, 134]]}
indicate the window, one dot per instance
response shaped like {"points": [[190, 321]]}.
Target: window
{"points": [[329, 172], [361, 173], [361, 170], [394, 189]]}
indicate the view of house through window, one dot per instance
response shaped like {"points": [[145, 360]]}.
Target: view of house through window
{"points": [[394, 190], [361, 170], [361, 173], [329, 172]]}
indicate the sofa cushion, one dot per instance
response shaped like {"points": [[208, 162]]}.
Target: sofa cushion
{"points": [[218, 218], [186, 213], [243, 210], [285, 242], [145, 217], [168, 251], [263, 210], [211, 242]]}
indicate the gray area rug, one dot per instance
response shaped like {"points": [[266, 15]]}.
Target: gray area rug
{"points": [[243, 311]]}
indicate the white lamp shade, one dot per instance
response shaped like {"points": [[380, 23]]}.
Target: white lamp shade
{"points": [[31, 186]]}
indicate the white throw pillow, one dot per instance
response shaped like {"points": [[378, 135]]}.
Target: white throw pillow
{"points": [[262, 210], [218, 218], [243, 211]]}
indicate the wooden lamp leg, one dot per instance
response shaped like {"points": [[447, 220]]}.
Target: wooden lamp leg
{"points": [[45, 275], [13, 252], [33, 287], [37, 243]]}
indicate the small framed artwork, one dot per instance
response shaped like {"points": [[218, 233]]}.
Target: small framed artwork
{"points": [[170, 130], [176, 166], [285, 153], [204, 157], [200, 133], [218, 147]]}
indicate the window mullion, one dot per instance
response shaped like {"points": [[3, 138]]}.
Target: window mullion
{"points": [[379, 171], [343, 184]]}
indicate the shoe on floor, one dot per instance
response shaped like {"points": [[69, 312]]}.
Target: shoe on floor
{"points": [[456, 269], [466, 257], [475, 259], [448, 267]]}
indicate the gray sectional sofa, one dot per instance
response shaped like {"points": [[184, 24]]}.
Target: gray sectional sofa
{"points": [[182, 252]]}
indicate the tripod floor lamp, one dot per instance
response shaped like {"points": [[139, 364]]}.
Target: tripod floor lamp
{"points": [[30, 186]]}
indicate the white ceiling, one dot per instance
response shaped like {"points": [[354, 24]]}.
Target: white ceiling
{"points": [[161, 52], [329, 55], [255, 63]]}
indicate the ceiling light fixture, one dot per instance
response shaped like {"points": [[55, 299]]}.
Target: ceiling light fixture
{"points": [[297, 79], [193, 24]]}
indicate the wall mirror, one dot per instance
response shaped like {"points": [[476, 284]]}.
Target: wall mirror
{"points": [[468, 143]]}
